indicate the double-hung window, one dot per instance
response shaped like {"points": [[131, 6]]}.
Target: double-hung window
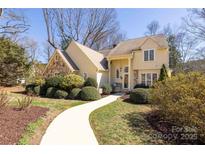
{"points": [[148, 78], [149, 55]]}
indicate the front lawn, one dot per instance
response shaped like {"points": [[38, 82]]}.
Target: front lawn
{"points": [[123, 123]]}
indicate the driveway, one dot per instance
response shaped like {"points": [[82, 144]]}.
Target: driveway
{"points": [[73, 127]]}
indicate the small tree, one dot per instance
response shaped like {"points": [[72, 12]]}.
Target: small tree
{"points": [[163, 73]]}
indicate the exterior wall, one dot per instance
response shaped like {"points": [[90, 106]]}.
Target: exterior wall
{"points": [[118, 64], [83, 63], [145, 72], [161, 57], [56, 66], [102, 78]]}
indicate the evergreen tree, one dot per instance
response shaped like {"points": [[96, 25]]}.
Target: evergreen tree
{"points": [[163, 73], [174, 54], [13, 62]]}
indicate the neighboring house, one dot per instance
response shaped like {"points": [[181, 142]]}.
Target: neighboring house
{"points": [[131, 62]]}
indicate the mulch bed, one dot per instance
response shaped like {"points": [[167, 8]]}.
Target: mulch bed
{"points": [[13, 122], [172, 133]]}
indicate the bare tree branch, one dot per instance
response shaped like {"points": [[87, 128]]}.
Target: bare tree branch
{"points": [[48, 18], [12, 24], [87, 26], [152, 28]]}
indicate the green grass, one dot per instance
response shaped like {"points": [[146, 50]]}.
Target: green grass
{"points": [[29, 131], [123, 123], [55, 107]]}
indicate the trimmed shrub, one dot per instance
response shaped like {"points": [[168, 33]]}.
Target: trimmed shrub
{"points": [[180, 100], [107, 89], [30, 88], [163, 73], [91, 82], [51, 92], [140, 86], [37, 90], [74, 94], [71, 81], [89, 94], [140, 96], [54, 81], [60, 94], [39, 81], [43, 90]]}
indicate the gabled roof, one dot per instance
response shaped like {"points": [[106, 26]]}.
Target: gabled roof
{"points": [[95, 57], [126, 47], [105, 52], [68, 61]]}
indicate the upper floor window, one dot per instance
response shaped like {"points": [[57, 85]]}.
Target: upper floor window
{"points": [[149, 55]]}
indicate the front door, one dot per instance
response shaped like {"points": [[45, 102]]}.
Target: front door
{"points": [[125, 81]]}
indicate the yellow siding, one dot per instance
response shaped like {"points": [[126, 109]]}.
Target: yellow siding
{"points": [[120, 64], [161, 57], [82, 62]]}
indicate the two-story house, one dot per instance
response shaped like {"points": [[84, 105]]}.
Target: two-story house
{"points": [[131, 62]]}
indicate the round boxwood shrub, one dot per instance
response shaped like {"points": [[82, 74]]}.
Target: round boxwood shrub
{"points": [[107, 89], [89, 94], [54, 81], [30, 88], [39, 81], [139, 95], [90, 82], [74, 94], [43, 90], [37, 90], [51, 92], [71, 81], [60, 94]]}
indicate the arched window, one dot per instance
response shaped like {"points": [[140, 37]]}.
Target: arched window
{"points": [[117, 73]]}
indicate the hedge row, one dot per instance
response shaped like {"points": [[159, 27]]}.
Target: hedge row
{"points": [[86, 93]]}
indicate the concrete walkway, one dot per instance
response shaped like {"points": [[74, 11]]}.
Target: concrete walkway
{"points": [[73, 126]]}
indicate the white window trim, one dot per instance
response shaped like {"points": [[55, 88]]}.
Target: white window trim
{"points": [[146, 77], [148, 55], [123, 74]]}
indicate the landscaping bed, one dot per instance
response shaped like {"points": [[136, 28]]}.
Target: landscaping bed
{"points": [[27, 126], [172, 133], [13, 122]]}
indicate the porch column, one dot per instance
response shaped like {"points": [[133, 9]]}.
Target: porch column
{"points": [[109, 70], [129, 72]]}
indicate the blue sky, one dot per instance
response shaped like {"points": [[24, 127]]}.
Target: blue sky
{"points": [[133, 22]]}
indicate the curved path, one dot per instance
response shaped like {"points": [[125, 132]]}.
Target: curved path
{"points": [[72, 126]]}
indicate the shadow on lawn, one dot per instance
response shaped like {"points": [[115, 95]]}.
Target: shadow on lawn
{"points": [[140, 127], [153, 130]]}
